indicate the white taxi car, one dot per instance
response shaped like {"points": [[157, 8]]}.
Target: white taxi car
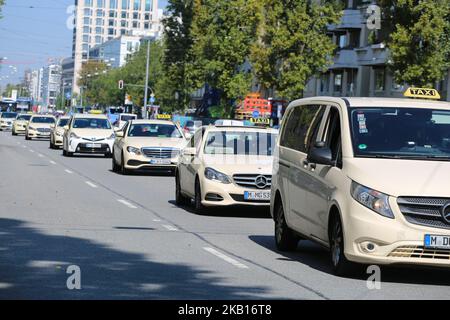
{"points": [[39, 126], [20, 124], [89, 134], [56, 136], [224, 166], [367, 178], [124, 118], [147, 145], [6, 120]]}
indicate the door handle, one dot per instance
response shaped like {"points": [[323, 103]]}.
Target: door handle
{"points": [[305, 163], [313, 166]]}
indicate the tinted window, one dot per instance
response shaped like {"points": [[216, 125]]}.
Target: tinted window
{"points": [[25, 117], [63, 122], [154, 130], [127, 118], [43, 120], [9, 115], [301, 126], [91, 123]]}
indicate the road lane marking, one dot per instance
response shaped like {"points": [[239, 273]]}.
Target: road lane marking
{"points": [[90, 184], [40, 155], [31, 150], [156, 220], [169, 227], [52, 162], [226, 258], [24, 147], [126, 203], [68, 171]]}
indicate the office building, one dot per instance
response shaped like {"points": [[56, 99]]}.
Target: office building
{"points": [[51, 84]]}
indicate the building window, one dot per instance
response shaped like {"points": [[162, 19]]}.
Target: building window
{"points": [[113, 14], [137, 5], [85, 38], [146, 25], [147, 16], [113, 4], [87, 12], [111, 31], [125, 4], [351, 81], [100, 3], [123, 32], [111, 23], [124, 15], [338, 81], [87, 21], [99, 22], [100, 13], [129, 46], [135, 24], [86, 30], [99, 30], [98, 39], [123, 23], [136, 16], [88, 3], [148, 5], [325, 82], [380, 79]]}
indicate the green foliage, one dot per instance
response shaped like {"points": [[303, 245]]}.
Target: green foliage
{"points": [[223, 32], [293, 44], [419, 39]]}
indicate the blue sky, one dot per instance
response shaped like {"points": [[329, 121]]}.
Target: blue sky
{"points": [[29, 37]]}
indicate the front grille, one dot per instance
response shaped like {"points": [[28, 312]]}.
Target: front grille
{"points": [[420, 252], [161, 153], [424, 211], [93, 139], [82, 147], [44, 130], [250, 181]]}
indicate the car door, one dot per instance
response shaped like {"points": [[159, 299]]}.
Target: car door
{"points": [[119, 143], [66, 134], [302, 128], [189, 164], [320, 186]]}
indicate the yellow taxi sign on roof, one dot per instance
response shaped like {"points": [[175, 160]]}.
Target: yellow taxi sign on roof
{"points": [[423, 93], [264, 121], [95, 112], [163, 116]]}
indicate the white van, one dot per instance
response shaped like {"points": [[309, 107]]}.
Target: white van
{"points": [[367, 178]]}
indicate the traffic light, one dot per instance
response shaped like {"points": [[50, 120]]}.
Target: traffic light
{"points": [[120, 84]]}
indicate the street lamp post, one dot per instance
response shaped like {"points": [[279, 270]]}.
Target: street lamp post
{"points": [[147, 71]]}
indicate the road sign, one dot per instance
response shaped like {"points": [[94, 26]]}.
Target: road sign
{"points": [[152, 100], [255, 114]]}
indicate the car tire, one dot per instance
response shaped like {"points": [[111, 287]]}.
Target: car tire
{"points": [[285, 238], [13, 133], [115, 166], [180, 199], [27, 137], [341, 266], [198, 206], [124, 171]]}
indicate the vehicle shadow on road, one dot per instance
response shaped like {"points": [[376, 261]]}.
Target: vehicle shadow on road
{"points": [[231, 212], [316, 257], [33, 266], [146, 174]]}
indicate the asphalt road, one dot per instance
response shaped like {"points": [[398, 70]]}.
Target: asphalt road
{"points": [[131, 241]]}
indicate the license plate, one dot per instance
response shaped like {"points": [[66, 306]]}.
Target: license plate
{"points": [[160, 161], [93, 145], [257, 195], [439, 242]]}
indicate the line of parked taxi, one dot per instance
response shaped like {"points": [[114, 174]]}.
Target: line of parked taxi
{"points": [[366, 178]]}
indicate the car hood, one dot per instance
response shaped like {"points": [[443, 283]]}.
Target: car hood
{"points": [[401, 177], [7, 119], [21, 122], [93, 133], [142, 142], [239, 164]]}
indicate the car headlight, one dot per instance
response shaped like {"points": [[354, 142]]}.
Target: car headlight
{"points": [[134, 150], [215, 175], [59, 133], [31, 128], [372, 199], [73, 135]]}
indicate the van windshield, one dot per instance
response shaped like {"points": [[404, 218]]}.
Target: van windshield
{"points": [[402, 133]]}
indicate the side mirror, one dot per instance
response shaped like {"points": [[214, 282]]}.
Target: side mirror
{"points": [[188, 135], [66, 127], [117, 129], [320, 154], [189, 151], [52, 126], [119, 134]]}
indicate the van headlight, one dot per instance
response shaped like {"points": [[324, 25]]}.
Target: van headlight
{"points": [[134, 150], [215, 175], [372, 199]]}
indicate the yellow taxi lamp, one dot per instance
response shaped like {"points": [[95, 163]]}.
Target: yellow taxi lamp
{"points": [[163, 116], [96, 112], [263, 121], [422, 93]]}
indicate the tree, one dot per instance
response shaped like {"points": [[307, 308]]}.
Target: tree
{"points": [[91, 70], [293, 44], [418, 41], [174, 86], [223, 32]]}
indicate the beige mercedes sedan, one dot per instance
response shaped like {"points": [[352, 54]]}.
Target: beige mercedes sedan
{"points": [[225, 166], [39, 126], [20, 124], [147, 145], [56, 136]]}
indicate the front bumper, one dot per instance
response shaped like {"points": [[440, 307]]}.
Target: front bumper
{"points": [[19, 129], [5, 126], [38, 135], [57, 140], [219, 194], [83, 146], [141, 162], [395, 241]]}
